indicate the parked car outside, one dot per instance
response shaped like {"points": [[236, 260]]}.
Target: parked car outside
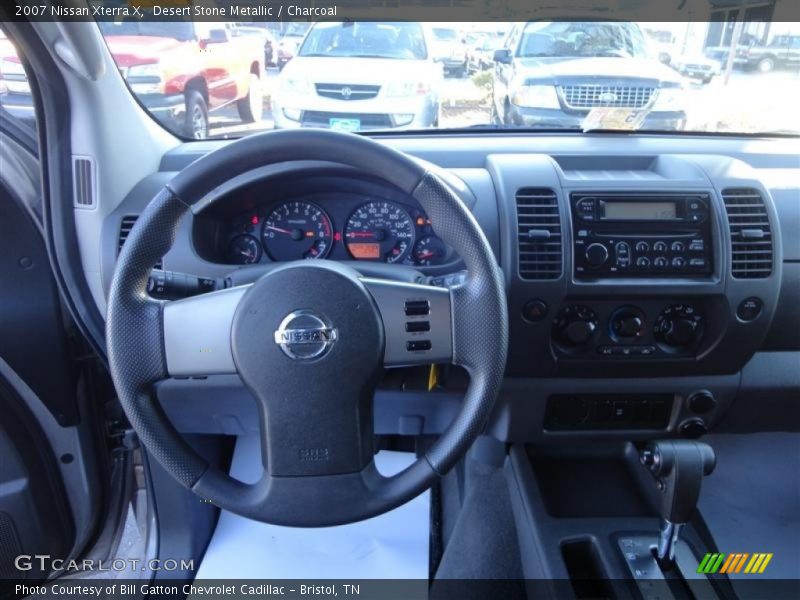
{"points": [[662, 44], [554, 73], [289, 43], [177, 82], [360, 76], [15, 91], [697, 66], [480, 56], [450, 49], [782, 51], [262, 33]]}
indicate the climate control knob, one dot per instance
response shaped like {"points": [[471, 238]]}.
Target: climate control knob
{"points": [[574, 326], [596, 254], [678, 327], [627, 324]]}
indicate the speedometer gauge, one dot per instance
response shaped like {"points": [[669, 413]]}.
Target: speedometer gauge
{"points": [[379, 231], [297, 230]]}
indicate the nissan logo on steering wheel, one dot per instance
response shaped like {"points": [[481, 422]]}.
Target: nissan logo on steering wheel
{"points": [[303, 335]]}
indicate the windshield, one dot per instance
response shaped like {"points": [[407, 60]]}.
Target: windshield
{"points": [[445, 34], [205, 79], [573, 40], [366, 40]]}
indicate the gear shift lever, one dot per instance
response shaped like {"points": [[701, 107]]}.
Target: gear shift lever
{"points": [[679, 467]]}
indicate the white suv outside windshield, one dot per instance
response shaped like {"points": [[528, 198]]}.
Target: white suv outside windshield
{"points": [[539, 75]]}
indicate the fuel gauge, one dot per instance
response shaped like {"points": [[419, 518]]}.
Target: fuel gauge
{"points": [[244, 250], [429, 251]]}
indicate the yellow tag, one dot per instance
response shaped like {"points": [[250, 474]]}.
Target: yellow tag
{"points": [[433, 377]]}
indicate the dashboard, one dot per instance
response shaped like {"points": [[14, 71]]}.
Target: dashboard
{"points": [[326, 217], [645, 278]]}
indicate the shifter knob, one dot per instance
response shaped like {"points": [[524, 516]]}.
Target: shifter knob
{"points": [[679, 467]]}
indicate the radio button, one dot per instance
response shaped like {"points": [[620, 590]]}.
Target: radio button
{"points": [[660, 262], [660, 247], [697, 246], [697, 263], [585, 209], [678, 262], [749, 309], [642, 247], [643, 262], [678, 247], [596, 254], [623, 252]]}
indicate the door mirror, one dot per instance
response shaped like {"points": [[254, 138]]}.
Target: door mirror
{"points": [[502, 56]]}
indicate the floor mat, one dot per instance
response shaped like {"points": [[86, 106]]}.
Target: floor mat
{"points": [[393, 545], [751, 502]]}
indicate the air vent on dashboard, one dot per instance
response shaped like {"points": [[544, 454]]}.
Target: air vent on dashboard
{"points": [[539, 234], [751, 235], [125, 227], [83, 181]]}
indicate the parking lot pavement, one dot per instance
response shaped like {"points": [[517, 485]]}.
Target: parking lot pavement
{"points": [[751, 102]]}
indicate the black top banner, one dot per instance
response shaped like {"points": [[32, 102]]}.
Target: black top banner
{"points": [[402, 10]]}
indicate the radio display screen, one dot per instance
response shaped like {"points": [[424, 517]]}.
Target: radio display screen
{"points": [[640, 211]]}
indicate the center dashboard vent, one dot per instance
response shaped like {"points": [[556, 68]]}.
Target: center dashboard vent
{"points": [[751, 234], [539, 234], [127, 223]]}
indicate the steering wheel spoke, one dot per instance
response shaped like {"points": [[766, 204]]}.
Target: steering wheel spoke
{"points": [[197, 333], [417, 322]]}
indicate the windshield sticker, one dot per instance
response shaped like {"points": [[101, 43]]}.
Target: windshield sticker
{"points": [[620, 119]]}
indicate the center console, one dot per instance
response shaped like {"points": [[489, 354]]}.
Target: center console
{"points": [[638, 286], [629, 266]]}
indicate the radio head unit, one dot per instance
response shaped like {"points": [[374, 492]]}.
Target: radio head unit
{"points": [[629, 234]]}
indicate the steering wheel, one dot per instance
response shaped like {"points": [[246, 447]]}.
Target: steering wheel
{"points": [[310, 340]]}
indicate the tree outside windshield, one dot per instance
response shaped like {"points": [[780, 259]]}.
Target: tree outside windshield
{"points": [[539, 76]]}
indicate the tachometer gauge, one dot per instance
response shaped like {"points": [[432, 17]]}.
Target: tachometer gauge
{"points": [[244, 250], [379, 231], [429, 251], [297, 230]]}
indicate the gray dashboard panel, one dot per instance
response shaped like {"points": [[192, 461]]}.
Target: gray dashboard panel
{"points": [[492, 166]]}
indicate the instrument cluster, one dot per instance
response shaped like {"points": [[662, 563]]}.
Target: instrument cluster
{"points": [[338, 226]]}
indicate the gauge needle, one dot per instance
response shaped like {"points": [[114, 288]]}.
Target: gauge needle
{"points": [[361, 234], [279, 230], [425, 254]]}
